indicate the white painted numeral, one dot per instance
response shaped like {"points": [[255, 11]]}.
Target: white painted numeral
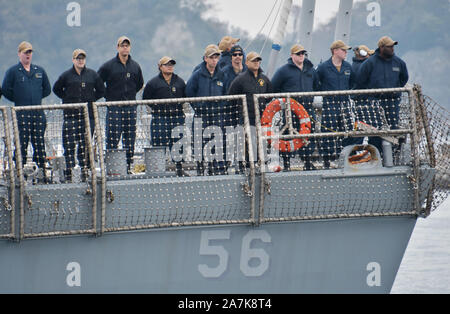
{"points": [[216, 250], [247, 253], [254, 262]]}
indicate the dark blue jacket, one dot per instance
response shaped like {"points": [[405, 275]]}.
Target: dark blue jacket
{"points": [[23, 88], [247, 84], [202, 84], [230, 75], [122, 81], [225, 59], [330, 79], [198, 66], [377, 72], [356, 65], [157, 88], [290, 79], [72, 87]]}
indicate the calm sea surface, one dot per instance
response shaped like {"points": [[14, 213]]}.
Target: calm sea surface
{"points": [[425, 267]]}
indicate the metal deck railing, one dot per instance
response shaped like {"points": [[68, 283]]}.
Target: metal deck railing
{"points": [[200, 161]]}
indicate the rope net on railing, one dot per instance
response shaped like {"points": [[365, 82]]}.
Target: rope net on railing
{"points": [[187, 147], [434, 147], [187, 161], [328, 122], [6, 198]]}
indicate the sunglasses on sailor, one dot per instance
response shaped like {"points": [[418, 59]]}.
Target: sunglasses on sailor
{"points": [[237, 54], [301, 53]]}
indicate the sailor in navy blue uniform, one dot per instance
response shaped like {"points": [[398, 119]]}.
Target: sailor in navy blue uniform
{"points": [[79, 84], [166, 117], [26, 84], [383, 70], [225, 46], [251, 81], [335, 74], [231, 71], [208, 80], [236, 66], [123, 78], [298, 75], [362, 53]]}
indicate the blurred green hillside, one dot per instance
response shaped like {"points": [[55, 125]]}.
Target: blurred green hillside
{"points": [[177, 28], [421, 28], [156, 28]]}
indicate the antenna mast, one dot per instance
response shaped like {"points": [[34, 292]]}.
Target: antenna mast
{"points": [[305, 28], [279, 36], [344, 20]]}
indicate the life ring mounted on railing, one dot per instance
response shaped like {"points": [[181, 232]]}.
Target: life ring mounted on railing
{"points": [[275, 106]]}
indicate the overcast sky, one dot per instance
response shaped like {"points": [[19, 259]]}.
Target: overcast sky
{"points": [[250, 15]]}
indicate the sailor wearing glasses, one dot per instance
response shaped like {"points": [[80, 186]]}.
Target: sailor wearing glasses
{"points": [[79, 84], [298, 75], [166, 117], [225, 46], [236, 66]]}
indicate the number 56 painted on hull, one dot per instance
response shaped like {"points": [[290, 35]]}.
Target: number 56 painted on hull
{"points": [[247, 253]]}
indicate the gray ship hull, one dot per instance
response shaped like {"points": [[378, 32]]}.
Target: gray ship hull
{"points": [[360, 255]]}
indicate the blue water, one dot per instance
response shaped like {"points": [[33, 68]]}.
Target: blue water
{"points": [[425, 267]]}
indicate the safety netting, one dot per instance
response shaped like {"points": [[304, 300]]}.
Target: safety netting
{"points": [[126, 165]]}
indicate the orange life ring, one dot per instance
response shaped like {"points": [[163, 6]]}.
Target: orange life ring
{"points": [[272, 108]]}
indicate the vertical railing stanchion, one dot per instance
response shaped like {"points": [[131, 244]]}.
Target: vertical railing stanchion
{"points": [[98, 133], [12, 181], [90, 152], [19, 168], [251, 157]]}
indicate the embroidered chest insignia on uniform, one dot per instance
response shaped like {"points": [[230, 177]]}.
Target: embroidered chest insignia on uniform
{"points": [[219, 83], [261, 82], [396, 69], [128, 75], [347, 72], [83, 84], [174, 89], [38, 75]]}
